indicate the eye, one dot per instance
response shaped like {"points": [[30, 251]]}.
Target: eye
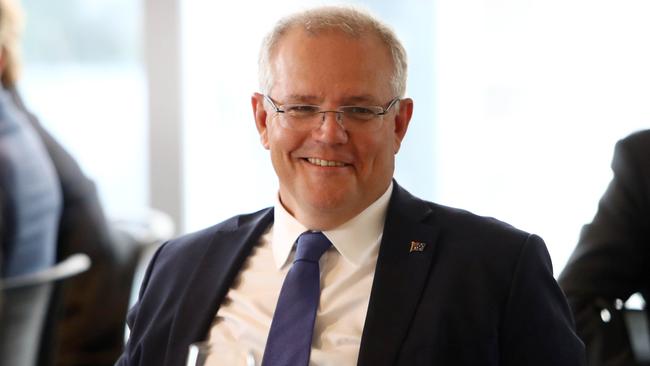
{"points": [[298, 110], [360, 113]]}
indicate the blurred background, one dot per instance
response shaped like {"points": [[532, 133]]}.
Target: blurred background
{"points": [[518, 103]]}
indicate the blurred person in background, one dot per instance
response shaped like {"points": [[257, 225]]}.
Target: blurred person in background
{"points": [[88, 323], [612, 258], [30, 195]]}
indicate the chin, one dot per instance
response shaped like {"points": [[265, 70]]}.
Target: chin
{"points": [[326, 200]]}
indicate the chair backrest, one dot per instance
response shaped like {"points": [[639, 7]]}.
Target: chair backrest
{"points": [[25, 301]]}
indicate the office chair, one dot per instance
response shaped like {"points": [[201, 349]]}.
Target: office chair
{"points": [[25, 304]]}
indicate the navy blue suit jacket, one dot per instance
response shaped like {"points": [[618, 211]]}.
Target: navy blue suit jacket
{"points": [[480, 293]]}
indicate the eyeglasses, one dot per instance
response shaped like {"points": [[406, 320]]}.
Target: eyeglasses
{"points": [[304, 117]]}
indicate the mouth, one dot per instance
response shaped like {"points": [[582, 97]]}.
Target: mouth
{"points": [[326, 163]]}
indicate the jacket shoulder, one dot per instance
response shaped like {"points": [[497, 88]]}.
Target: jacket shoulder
{"points": [[205, 236], [473, 224], [460, 228], [640, 139]]}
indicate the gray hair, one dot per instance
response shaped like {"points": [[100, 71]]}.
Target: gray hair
{"points": [[352, 21]]}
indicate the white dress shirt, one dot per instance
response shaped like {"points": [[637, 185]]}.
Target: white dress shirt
{"points": [[347, 269]]}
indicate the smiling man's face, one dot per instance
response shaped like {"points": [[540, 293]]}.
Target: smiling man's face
{"points": [[329, 175]]}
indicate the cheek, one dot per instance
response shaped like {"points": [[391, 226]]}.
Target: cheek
{"points": [[282, 143], [375, 152], [277, 138]]}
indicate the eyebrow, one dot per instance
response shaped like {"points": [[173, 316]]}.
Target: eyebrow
{"points": [[315, 99], [302, 98], [364, 98]]}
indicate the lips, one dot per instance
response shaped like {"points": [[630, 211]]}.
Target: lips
{"points": [[326, 163]]}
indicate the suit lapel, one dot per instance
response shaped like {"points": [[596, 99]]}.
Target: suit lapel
{"points": [[403, 265], [210, 281]]}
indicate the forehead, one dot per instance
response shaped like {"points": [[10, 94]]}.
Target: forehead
{"points": [[331, 62]]}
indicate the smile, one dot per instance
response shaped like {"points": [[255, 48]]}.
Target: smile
{"points": [[328, 163]]}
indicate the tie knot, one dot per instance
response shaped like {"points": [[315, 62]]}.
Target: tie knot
{"points": [[311, 246]]}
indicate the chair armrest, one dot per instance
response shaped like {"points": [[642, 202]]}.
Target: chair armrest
{"points": [[70, 266]]}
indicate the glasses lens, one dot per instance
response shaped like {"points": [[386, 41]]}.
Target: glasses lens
{"points": [[300, 117], [360, 113], [301, 111]]}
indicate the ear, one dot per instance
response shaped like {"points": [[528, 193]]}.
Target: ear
{"points": [[257, 101], [402, 119]]}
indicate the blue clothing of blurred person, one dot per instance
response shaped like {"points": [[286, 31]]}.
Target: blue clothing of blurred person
{"points": [[30, 195]]}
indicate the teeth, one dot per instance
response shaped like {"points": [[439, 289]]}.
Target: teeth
{"points": [[321, 162]]}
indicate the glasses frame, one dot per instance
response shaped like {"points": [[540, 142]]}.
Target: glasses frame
{"points": [[377, 110]]}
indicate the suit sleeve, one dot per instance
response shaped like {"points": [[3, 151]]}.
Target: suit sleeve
{"points": [[538, 329], [611, 259], [131, 354]]}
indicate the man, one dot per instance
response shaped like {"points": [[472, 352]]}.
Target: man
{"points": [[405, 281], [88, 328], [92, 306], [611, 259]]}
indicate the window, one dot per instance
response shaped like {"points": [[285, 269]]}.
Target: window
{"points": [[517, 106], [83, 78], [531, 97]]}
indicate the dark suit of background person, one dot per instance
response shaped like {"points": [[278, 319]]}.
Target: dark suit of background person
{"points": [[448, 288], [30, 197], [612, 258]]}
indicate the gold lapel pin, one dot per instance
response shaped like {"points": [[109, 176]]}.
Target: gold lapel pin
{"points": [[417, 246]]}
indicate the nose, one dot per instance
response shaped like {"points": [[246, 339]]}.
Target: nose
{"points": [[339, 116], [331, 129]]}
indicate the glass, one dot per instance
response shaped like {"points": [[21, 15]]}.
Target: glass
{"points": [[205, 354], [198, 354], [304, 117], [78, 55]]}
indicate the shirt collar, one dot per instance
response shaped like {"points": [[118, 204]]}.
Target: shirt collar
{"points": [[354, 239]]}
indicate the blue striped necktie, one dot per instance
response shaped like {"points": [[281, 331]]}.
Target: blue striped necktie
{"points": [[289, 341]]}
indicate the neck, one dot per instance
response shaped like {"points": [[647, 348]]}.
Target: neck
{"points": [[319, 219], [324, 218]]}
